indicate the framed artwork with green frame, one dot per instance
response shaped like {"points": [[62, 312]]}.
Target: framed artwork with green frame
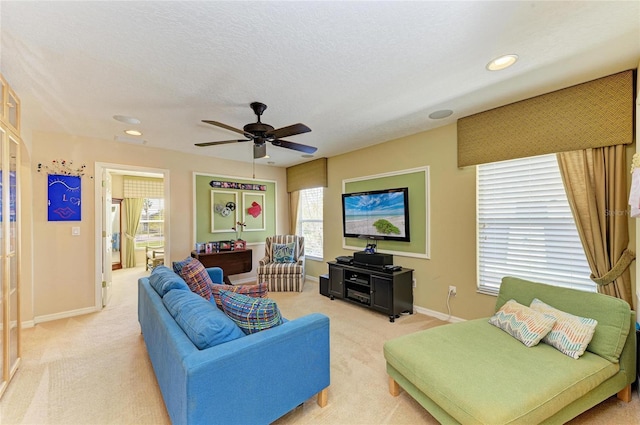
{"points": [[417, 180]]}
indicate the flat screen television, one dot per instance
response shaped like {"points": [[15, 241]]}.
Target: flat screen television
{"points": [[376, 214]]}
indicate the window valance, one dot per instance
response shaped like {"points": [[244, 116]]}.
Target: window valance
{"points": [[589, 115], [307, 175], [143, 187]]}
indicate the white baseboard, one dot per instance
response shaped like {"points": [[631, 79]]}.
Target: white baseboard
{"points": [[28, 324], [64, 315], [437, 314]]}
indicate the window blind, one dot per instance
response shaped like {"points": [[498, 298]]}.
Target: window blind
{"points": [[310, 222], [143, 187], [525, 226]]}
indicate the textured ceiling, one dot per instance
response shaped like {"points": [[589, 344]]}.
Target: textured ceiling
{"points": [[357, 73]]}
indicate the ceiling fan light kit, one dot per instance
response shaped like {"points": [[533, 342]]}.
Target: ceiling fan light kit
{"points": [[261, 133]]}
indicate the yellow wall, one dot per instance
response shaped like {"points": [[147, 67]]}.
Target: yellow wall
{"points": [[453, 215], [64, 265]]}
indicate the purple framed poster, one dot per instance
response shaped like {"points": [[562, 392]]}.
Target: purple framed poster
{"points": [[64, 198]]}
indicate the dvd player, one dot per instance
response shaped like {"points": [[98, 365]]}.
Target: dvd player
{"points": [[343, 259]]}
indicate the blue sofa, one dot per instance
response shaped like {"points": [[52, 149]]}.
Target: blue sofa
{"points": [[254, 379]]}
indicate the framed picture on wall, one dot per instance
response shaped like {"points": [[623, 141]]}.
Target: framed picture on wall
{"points": [[64, 198], [224, 211], [253, 211]]}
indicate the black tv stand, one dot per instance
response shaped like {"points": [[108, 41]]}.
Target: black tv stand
{"points": [[390, 292]]}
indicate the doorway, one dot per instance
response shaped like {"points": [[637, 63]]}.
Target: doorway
{"points": [[104, 209]]}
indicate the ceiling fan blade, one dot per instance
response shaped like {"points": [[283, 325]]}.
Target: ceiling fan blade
{"points": [[294, 146], [290, 130], [228, 127], [223, 142]]}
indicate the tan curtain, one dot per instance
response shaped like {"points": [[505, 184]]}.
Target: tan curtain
{"points": [[133, 211], [595, 182], [294, 203]]}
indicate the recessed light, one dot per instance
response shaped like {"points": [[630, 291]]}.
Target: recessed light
{"points": [[126, 119], [502, 62], [133, 132], [438, 115]]}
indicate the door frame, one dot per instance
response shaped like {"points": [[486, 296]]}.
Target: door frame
{"points": [[131, 170]]}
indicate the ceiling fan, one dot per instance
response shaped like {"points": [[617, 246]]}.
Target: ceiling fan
{"points": [[262, 133]]}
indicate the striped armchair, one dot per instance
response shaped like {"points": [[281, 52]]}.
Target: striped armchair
{"points": [[282, 276]]}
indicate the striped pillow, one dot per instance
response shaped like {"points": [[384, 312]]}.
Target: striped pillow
{"points": [[522, 323], [250, 314], [570, 334]]}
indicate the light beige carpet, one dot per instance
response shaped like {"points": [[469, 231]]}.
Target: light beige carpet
{"points": [[94, 369]]}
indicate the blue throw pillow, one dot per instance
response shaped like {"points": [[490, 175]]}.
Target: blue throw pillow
{"points": [[283, 252], [178, 265], [204, 324], [250, 314], [163, 280]]}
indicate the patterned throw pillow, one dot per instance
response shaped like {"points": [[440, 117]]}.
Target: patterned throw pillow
{"points": [[250, 314], [570, 334], [259, 290], [283, 252], [524, 324], [197, 278], [178, 265]]}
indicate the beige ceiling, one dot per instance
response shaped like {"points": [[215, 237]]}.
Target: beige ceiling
{"points": [[357, 73]]}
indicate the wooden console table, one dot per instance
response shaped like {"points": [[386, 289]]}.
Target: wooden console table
{"points": [[231, 262]]}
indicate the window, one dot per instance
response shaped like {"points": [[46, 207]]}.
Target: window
{"points": [[310, 221], [151, 226], [525, 226]]}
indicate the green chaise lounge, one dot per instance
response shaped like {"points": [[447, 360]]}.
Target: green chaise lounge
{"points": [[475, 373]]}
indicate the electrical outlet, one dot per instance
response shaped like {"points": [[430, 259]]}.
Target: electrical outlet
{"points": [[452, 290]]}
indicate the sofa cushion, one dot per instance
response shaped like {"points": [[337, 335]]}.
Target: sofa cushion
{"points": [[178, 265], [284, 252], [521, 322], [259, 290], [282, 269], [204, 324], [570, 334], [613, 314], [163, 280], [250, 314], [197, 278], [520, 385]]}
